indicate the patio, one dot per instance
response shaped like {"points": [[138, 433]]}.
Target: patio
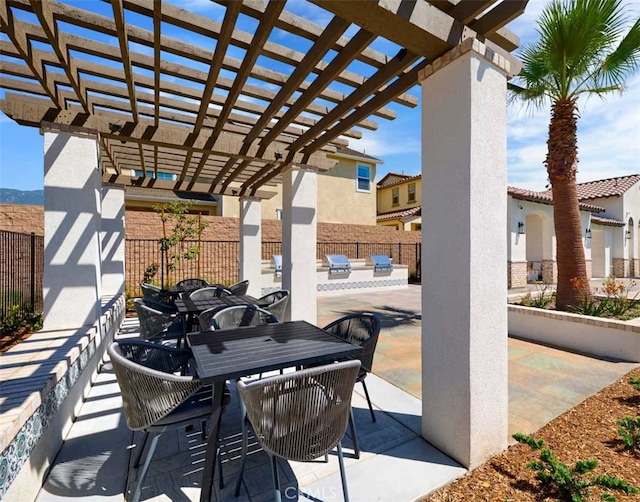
{"points": [[396, 463]]}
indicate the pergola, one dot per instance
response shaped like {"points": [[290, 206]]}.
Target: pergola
{"points": [[225, 111]]}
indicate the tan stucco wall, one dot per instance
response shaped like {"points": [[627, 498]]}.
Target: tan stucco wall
{"points": [[385, 196], [338, 199]]}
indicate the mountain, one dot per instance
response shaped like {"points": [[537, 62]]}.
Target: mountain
{"points": [[12, 196]]}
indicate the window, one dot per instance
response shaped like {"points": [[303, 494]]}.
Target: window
{"points": [[364, 179], [152, 174], [395, 196], [412, 192]]}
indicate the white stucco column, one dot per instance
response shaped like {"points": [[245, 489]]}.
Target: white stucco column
{"points": [[251, 244], [113, 240], [72, 280], [464, 283], [299, 236]]}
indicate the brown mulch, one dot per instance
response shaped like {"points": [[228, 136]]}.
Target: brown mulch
{"points": [[588, 431], [8, 341]]}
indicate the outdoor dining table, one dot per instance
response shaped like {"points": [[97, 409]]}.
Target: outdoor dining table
{"points": [[232, 353], [188, 306]]}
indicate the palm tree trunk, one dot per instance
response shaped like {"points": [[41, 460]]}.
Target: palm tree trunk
{"points": [[562, 162]]}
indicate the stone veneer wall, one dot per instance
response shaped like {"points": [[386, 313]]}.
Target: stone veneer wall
{"points": [[549, 271], [516, 274], [621, 267]]}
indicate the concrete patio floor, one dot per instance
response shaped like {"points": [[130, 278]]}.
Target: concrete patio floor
{"points": [[395, 465]]}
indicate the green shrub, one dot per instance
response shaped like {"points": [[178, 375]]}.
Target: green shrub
{"points": [[630, 432], [542, 299], [17, 319], [635, 382], [571, 484]]}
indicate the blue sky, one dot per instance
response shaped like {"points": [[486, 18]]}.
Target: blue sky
{"points": [[608, 131]]}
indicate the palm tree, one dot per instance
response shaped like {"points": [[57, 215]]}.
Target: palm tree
{"points": [[582, 50]]}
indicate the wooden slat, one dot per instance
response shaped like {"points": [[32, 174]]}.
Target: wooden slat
{"points": [[118, 15], [15, 31], [57, 39]]}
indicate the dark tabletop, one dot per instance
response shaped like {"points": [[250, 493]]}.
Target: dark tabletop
{"points": [[189, 306], [231, 353], [185, 288]]}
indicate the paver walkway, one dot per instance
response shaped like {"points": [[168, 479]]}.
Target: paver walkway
{"points": [[543, 382]]}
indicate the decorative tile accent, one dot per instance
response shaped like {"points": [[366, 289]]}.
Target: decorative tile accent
{"points": [[17, 453], [341, 286]]}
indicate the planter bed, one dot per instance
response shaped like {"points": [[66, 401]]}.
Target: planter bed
{"points": [[589, 335]]}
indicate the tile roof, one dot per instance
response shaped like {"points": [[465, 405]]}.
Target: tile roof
{"points": [[546, 198], [599, 220], [404, 179], [611, 187], [397, 215]]}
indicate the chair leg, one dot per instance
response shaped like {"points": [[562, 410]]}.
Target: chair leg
{"points": [[221, 479], [276, 479], [354, 435], [245, 444], [145, 467], [140, 451], [366, 393], [343, 474]]}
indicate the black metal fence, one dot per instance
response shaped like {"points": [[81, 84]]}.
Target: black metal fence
{"points": [[218, 261], [21, 268]]}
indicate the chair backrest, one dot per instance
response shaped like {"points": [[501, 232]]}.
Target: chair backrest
{"points": [[301, 415], [149, 394], [240, 315], [276, 303], [152, 321], [358, 329], [165, 308], [239, 288], [209, 292], [152, 292], [192, 282]]}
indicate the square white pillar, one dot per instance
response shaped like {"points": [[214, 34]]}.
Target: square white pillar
{"points": [[464, 283], [113, 241], [251, 244], [72, 280], [299, 237]]}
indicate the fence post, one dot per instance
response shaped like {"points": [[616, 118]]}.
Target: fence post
{"points": [[399, 252], [357, 250], [33, 271]]}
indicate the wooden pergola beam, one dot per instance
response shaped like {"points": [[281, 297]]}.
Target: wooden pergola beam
{"points": [[118, 16], [57, 39]]}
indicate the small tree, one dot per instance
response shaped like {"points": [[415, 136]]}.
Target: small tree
{"points": [[173, 244]]}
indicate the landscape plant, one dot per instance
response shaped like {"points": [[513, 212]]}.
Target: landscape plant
{"points": [[584, 48], [543, 298], [629, 430], [175, 245], [571, 484], [613, 301]]}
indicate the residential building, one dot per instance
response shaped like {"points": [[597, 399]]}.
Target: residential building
{"points": [[398, 200], [346, 193], [610, 213]]}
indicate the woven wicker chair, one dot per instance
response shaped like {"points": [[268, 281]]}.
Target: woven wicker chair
{"points": [[155, 399], [165, 308], [239, 288], [276, 303], [152, 292], [363, 330], [156, 325], [234, 316], [209, 292], [300, 416], [193, 282]]}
